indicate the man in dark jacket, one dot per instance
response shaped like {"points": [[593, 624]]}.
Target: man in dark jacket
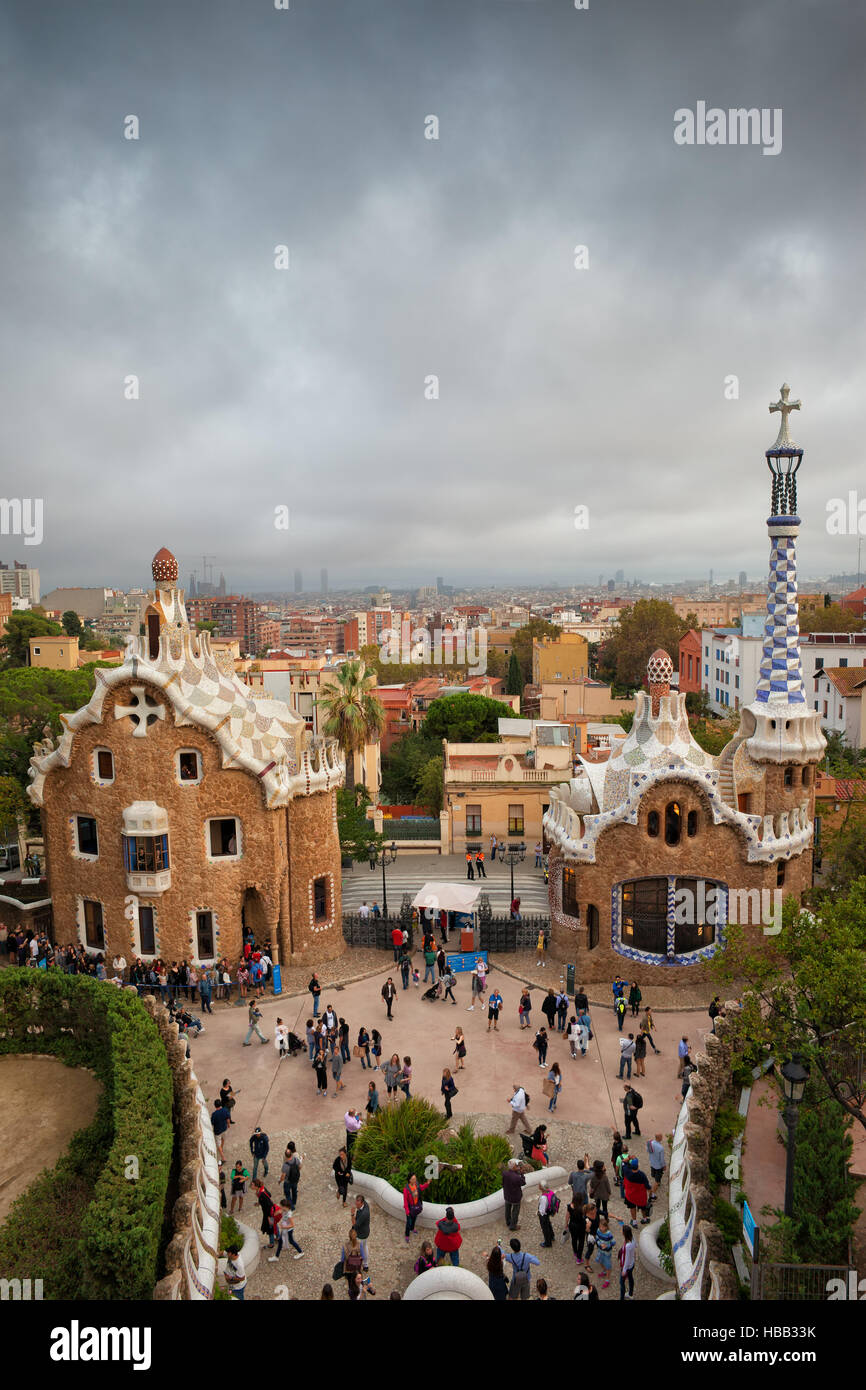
{"points": [[266, 1202], [259, 1148], [513, 1182], [548, 1008], [361, 1227], [631, 1110], [389, 994], [581, 1003]]}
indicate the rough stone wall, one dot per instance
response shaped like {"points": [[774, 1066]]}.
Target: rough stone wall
{"points": [[145, 770], [313, 852], [627, 851]]}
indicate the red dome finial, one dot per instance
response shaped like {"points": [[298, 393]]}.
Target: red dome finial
{"points": [[164, 567]]}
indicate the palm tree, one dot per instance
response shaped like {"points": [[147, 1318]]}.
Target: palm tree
{"points": [[353, 714]]}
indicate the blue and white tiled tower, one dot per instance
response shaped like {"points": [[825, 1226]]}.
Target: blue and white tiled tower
{"points": [[785, 728]]}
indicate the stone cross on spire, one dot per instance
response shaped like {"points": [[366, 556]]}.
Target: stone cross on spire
{"points": [[784, 406]]}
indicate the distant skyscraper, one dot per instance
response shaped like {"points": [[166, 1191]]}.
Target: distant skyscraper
{"points": [[743, 579], [711, 579], [440, 583], [299, 582], [610, 586], [324, 581], [619, 576]]}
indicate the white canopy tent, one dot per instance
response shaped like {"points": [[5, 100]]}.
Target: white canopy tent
{"points": [[450, 897]]}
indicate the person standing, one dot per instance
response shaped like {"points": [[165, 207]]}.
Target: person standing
{"points": [[470, 865], [555, 1077], [363, 1045], [235, 1274], [636, 1190], [492, 848], [540, 1045], [631, 1104], [619, 1010], [337, 1071], [376, 1047], [342, 1167], [253, 1016], [205, 989], [496, 1280], [548, 1206], [521, 1265], [361, 1227], [406, 1078], [397, 942], [540, 947], [515, 910], [561, 1010], [266, 1205], [291, 1175], [524, 1007], [392, 1072], [626, 1263], [260, 1147], [353, 1122], [640, 1054], [389, 994], [688, 1068], [449, 979], [285, 1231], [441, 962], [634, 998], [430, 962], [579, 1178], [626, 1053], [426, 1260], [518, 1103], [219, 1123], [479, 864], [682, 1054], [448, 1239], [315, 990], [656, 1152], [548, 1008], [459, 1049], [538, 854], [343, 1034], [576, 1225], [449, 1090], [412, 1203], [494, 1004], [320, 1067], [372, 1099], [599, 1187], [240, 1176], [513, 1183], [604, 1247], [405, 966]]}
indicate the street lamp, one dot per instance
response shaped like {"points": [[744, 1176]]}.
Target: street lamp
{"points": [[794, 1078], [386, 855], [515, 854]]}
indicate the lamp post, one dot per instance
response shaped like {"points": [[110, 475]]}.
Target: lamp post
{"points": [[386, 855], [515, 855], [794, 1078]]}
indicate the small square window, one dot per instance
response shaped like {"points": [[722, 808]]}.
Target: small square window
{"points": [[104, 765], [189, 765], [86, 836], [223, 836]]}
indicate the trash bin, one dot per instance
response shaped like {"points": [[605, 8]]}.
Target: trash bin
{"points": [[467, 940], [277, 981], [569, 979]]}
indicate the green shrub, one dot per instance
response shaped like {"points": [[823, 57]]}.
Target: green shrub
{"points": [[122, 1161], [398, 1141], [728, 1124], [665, 1249], [229, 1232], [729, 1220]]}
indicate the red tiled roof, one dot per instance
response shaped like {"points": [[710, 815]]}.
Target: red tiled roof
{"points": [[848, 680]]}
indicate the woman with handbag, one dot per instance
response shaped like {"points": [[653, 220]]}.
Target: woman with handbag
{"points": [[553, 1085], [460, 1049], [449, 1090], [362, 1048], [342, 1166], [320, 1067], [393, 1072], [599, 1187], [412, 1203], [524, 1007]]}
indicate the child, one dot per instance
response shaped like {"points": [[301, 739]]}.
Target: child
{"points": [[377, 1047], [604, 1244], [416, 978]]}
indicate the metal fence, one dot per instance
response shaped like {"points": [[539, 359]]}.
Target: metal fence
{"points": [[373, 931], [420, 829], [496, 934], [774, 1283]]}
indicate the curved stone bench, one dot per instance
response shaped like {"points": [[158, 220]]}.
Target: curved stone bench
{"points": [[469, 1214], [448, 1281], [648, 1250]]}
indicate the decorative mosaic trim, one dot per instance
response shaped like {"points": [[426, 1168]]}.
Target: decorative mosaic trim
{"points": [[781, 673], [651, 957], [193, 956], [82, 926], [318, 927]]}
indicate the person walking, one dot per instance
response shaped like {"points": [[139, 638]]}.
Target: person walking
{"points": [[376, 1047], [626, 1263], [315, 990], [524, 1007], [240, 1177], [626, 1053], [518, 1102], [253, 1016], [291, 1175], [337, 1071], [353, 1122], [413, 1204], [470, 865], [449, 1090], [515, 910], [430, 962], [342, 1167], [389, 994], [219, 1123], [460, 1049], [363, 1048], [554, 1078], [449, 979], [538, 855], [496, 1280], [599, 1187], [640, 1054], [636, 1190], [521, 1266], [682, 1054], [281, 1039], [619, 1010], [266, 1205], [513, 1183], [405, 966], [540, 1045], [479, 864], [548, 1206], [260, 1147], [448, 1239], [561, 1010], [205, 990], [392, 1072], [656, 1152], [494, 1004], [361, 1227], [647, 1024], [228, 1098], [634, 998], [285, 1230], [631, 1104], [343, 1034], [372, 1099], [548, 1008]]}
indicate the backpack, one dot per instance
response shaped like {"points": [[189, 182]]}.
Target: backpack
{"points": [[553, 1204], [637, 1100], [527, 1098]]}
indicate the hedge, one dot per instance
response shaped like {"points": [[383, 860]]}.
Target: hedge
{"points": [[112, 1240]]}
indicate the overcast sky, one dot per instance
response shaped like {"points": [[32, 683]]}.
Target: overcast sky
{"points": [[409, 257]]}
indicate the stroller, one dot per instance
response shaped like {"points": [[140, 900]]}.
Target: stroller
{"points": [[294, 1044], [434, 992]]}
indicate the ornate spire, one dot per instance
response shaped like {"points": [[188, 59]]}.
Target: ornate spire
{"points": [[783, 459], [784, 406]]}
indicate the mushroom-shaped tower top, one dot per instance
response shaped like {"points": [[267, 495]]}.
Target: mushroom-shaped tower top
{"points": [[659, 670], [164, 567]]}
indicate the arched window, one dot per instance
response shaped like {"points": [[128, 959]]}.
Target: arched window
{"points": [[789, 777], [652, 823], [673, 823], [692, 824]]}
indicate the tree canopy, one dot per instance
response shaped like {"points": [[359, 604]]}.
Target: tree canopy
{"points": [[466, 718], [358, 838], [648, 624], [834, 618], [20, 627]]}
